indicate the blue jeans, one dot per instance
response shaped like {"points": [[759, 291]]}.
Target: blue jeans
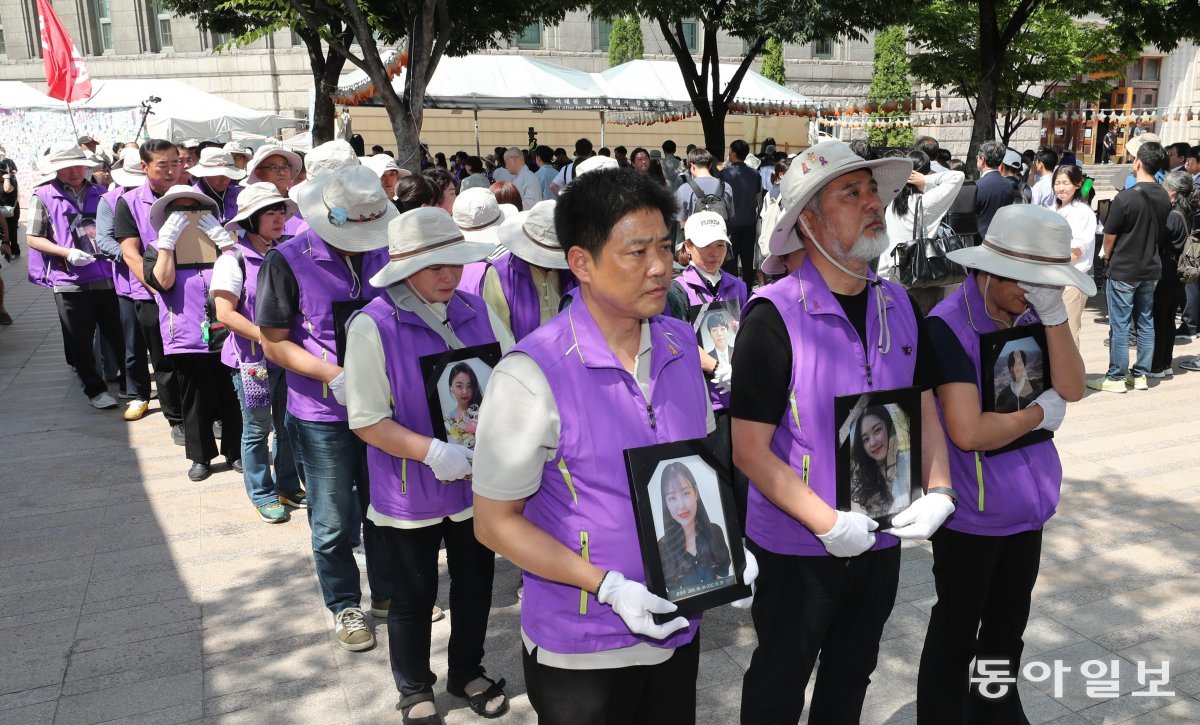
{"points": [[257, 460], [1130, 304], [334, 462]]}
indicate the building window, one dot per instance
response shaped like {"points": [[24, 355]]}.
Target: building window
{"points": [[1150, 68], [166, 40], [691, 34], [603, 31], [530, 37], [823, 48], [104, 23], [3, 48], [219, 39], [296, 39]]}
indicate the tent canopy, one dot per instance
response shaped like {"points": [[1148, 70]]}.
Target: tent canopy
{"points": [[15, 94], [662, 79]]}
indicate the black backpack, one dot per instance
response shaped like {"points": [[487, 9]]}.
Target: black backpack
{"points": [[1189, 258], [714, 202]]}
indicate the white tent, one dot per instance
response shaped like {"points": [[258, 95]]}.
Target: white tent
{"points": [[184, 111], [17, 95], [661, 79]]}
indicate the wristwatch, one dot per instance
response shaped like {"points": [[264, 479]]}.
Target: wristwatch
{"points": [[946, 490]]}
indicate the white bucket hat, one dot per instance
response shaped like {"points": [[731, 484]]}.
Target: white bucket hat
{"points": [[1135, 143], [330, 156], [813, 169], [216, 161], [705, 227], [381, 164], [259, 196], [347, 208], [530, 235], [158, 210], [233, 147], [62, 156], [596, 163], [421, 238], [266, 151], [1030, 244], [128, 170], [479, 215]]}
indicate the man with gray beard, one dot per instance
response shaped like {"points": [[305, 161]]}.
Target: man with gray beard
{"points": [[831, 328]]}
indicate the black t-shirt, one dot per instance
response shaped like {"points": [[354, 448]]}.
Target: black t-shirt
{"points": [[124, 225], [277, 296], [763, 343], [953, 361], [1138, 216]]}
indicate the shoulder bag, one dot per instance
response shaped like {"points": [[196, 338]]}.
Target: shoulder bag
{"points": [[923, 261]]}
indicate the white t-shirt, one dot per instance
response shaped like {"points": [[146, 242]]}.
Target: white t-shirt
{"points": [[1083, 231], [227, 276]]}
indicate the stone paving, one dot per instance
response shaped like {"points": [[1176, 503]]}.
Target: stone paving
{"points": [[128, 593]]}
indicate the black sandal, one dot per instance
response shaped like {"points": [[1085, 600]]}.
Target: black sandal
{"points": [[408, 701], [478, 703]]}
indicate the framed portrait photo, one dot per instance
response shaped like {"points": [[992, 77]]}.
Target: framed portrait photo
{"points": [[687, 525], [194, 249], [878, 452], [1015, 370], [455, 383], [716, 326]]}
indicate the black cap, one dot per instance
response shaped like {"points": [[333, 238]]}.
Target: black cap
{"points": [[83, 140]]}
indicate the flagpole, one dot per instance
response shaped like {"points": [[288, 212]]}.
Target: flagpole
{"points": [[71, 116]]}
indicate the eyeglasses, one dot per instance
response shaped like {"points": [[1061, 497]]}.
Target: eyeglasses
{"points": [[276, 168]]}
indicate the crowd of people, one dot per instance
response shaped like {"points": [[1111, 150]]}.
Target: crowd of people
{"points": [[302, 295]]}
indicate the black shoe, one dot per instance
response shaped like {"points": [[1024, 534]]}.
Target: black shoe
{"points": [[199, 471], [235, 464], [177, 436], [217, 429], [128, 396]]}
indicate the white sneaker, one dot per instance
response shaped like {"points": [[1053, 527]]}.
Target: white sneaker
{"points": [[103, 401], [136, 409]]}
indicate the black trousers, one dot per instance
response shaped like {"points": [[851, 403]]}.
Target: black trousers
{"points": [[81, 314], [170, 397], [137, 362], [741, 242], [810, 606], [662, 694], [205, 385], [414, 557], [1168, 295], [14, 222], [984, 586]]}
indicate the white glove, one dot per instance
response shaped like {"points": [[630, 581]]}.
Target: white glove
{"points": [[1047, 301], [337, 386], [210, 226], [636, 605], [750, 575], [170, 231], [922, 517], [1054, 408], [851, 534], [722, 377], [79, 258], [449, 461]]}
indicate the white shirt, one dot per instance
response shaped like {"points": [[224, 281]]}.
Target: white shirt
{"points": [[227, 276], [1083, 231], [940, 192], [529, 186], [1043, 192]]}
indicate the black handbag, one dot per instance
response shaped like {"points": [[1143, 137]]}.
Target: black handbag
{"points": [[923, 261]]}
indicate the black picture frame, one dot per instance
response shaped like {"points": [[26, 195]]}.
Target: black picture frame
{"points": [[856, 491], [699, 316], [436, 367], [994, 384], [712, 480]]}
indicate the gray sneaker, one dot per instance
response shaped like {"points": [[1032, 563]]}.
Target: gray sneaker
{"points": [[352, 631], [103, 401], [1190, 363]]}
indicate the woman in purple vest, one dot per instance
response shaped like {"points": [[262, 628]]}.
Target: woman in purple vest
{"points": [[276, 165], [985, 559], [524, 285], [189, 329], [479, 216], [214, 175], [420, 487], [260, 384], [608, 373]]}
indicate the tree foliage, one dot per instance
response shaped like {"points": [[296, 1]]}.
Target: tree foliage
{"points": [[890, 84], [625, 41], [773, 68]]}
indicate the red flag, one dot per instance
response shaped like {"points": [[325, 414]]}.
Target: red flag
{"points": [[66, 77]]}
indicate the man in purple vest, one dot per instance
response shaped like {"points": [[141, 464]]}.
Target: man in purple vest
{"points": [[986, 558], [63, 256], [132, 228], [608, 373], [525, 285], [830, 328], [215, 176], [307, 289]]}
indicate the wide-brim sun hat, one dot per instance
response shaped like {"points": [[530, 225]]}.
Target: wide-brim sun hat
{"points": [[128, 171], [259, 196], [381, 164], [478, 215], [158, 210], [348, 208], [424, 237], [216, 161], [1030, 244], [265, 152], [530, 236], [62, 156], [330, 156], [1135, 143], [596, 163], [812, 169], [238, 149]]}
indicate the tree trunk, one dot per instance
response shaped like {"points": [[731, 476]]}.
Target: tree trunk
{"points": [[326, 70], [713, 124], [990, 58]]}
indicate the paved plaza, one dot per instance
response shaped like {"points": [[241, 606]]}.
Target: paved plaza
{"points": [[128, 593]]}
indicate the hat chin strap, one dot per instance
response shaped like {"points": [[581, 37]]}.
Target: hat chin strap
{"points": [[876, 284]]}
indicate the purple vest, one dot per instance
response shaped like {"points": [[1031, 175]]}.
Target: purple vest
{"points": [[524, 301], [61, 208], [323, 278], [828, 360], [472, 277], [1025, 481], [125, 284], [696, 289], [295, 226], [139, 201], [237, 348], [226, 205], [584, 499], [402, 488], [181, 312]]}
